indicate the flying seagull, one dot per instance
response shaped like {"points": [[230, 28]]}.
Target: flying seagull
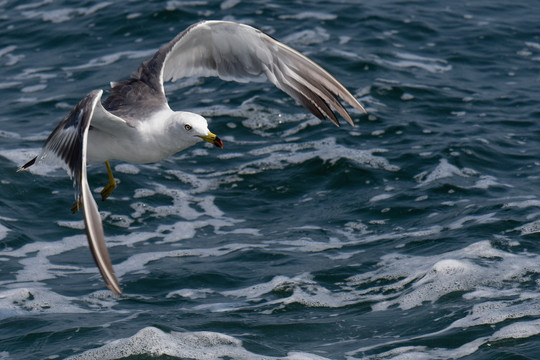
{"points": [[135, 123]]}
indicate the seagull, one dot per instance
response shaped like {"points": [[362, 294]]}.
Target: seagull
{"points": [[135, 123]]}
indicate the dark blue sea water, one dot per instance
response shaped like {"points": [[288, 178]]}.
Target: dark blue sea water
{"points": [[413, 235]]}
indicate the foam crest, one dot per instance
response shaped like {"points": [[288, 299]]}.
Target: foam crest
{"points": [[522, 204], [198, 345], [518, 330], [442, 171], [191, 294], [499, 311], [3, 232], [306, 244], [182, 202], [300, 289], [307, 37], [7, 49], [501, 306], [198, 183], [465, 178], [310, 15], [281, 155], [530, 228], [426, 279], [10, 59], [407, 61], [24, 301]]}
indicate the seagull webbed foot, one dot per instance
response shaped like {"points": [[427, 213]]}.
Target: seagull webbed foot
{"points": [[76, 206]]}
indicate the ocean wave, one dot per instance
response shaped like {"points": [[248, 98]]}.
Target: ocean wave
{"points": [[199, 345]]}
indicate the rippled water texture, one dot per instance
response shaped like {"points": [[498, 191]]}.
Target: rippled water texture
{"points": [[413, 235]]}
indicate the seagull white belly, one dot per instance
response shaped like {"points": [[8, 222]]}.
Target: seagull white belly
{"points": [[128, 146]]}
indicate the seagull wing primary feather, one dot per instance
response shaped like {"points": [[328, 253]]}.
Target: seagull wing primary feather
{"points": [[135, 122]]}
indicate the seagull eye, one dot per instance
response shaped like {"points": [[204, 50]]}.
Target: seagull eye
{"points": [[187, 127]]}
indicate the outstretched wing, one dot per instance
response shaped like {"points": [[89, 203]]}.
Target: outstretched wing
{"points": [[241, 53], [67, 143]]}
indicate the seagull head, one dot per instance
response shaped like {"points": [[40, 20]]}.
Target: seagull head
{"points": [[194, 128]]}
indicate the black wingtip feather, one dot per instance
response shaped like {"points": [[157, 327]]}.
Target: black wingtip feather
{"points": [[27, 165]]}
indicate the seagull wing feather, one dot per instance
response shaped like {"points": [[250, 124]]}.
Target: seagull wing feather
{"points": [[68, 144], [242, 53], [92, 219]]}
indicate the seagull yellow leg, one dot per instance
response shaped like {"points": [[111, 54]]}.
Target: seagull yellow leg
{"points": [[105, 193], [109, 188]]}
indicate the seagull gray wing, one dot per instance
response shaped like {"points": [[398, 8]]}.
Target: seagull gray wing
{"points": [[235, 52], [68, 143]]}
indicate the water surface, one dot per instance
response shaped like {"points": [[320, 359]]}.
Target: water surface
{"points": [[413, 235]]}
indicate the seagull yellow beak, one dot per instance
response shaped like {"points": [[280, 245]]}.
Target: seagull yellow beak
{"points": [[213, 139]]}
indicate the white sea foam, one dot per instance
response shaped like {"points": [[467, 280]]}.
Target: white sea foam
{"points": [[182, 202], [45, 168], [34, 300], [3, 231], [281, 155], [35, 258], [127, 169], [310, 15], [303, 125], [37, 266], [301, 289], [465, 178], [41, 74], [476, 219], [199, 345], [443, 170], [63, 14], [73, 224], [190, 293], [530, 228], [306, 244], [7, 50], [522, 204], [380, 197], [307, 37], [517, 330], [407, 61], [229, 4], [430, 278], [9, 84], [176, 4], [480, 272], [34, 88]]}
